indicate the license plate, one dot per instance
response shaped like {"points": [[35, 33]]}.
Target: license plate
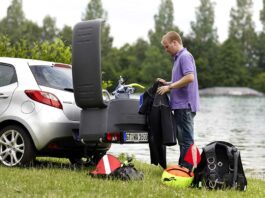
{"points": [[138, 137]]}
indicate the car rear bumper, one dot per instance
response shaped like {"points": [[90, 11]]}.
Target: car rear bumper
{"points": [[68, 148]]}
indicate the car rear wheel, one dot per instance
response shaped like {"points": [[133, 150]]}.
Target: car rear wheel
{"points": [[16, 147]]}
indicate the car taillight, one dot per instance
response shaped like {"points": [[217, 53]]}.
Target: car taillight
{"points": [[44, 97], [113, 137]]}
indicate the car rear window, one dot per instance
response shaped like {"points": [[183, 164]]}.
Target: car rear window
{"points": [[53, 77]]}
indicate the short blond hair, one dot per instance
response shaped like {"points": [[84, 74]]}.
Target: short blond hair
{"points": [[172, 36]]}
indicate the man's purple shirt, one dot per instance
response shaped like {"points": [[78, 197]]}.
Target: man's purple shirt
{"points": [[187, 96]]}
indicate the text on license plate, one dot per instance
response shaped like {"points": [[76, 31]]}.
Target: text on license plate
{"points": [[136, 137]]}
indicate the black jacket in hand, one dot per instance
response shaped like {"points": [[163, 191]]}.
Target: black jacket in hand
{"points": [[161, 124]]}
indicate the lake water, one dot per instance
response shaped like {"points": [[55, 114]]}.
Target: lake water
{"points": [[238, 120]]}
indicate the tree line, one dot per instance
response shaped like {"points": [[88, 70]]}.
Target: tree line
{"points": [[238, 61]]}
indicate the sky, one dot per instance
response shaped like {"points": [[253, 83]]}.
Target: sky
{"points": [[129, 19]]}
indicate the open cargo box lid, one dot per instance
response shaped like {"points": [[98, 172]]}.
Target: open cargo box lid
{"points": [[87, 64]]}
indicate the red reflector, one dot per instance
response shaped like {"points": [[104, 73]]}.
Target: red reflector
{"points": [[44, 98], [113, 136], [53, 146]]}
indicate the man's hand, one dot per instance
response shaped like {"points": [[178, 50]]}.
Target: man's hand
{"points": [[163, 89], [161, 81]]}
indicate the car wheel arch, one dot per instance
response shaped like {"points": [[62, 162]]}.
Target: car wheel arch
{"points": [[14, 122]]}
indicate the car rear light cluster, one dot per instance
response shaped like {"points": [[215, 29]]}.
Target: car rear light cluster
{"points": [[44, 98], [113, 136]]}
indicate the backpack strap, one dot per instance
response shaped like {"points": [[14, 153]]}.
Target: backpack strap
{"points": [[241, 179], [233, 157], [230, 149], [236, 157], [212, 168], [210, 155], [234, 162]]}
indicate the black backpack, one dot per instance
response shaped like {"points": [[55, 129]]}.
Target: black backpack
{"points": [[220, 168], [128, 172]]}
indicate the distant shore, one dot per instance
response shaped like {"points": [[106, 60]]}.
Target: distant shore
{"points": [[230, 91]]}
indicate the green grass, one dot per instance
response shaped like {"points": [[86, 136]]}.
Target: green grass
{"points": [[57, 178]]}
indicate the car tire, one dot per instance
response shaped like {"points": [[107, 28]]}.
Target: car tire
{"points": [[16, 147]]}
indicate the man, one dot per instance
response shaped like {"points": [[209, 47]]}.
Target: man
{"points": [[184, 93]]}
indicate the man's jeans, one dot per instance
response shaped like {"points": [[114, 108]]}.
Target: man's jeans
{"points": [[185, 133]]}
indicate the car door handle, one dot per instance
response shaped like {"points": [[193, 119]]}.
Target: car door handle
{"points": [[3, 95]]}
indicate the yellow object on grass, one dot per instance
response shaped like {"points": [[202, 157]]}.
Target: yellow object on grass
{"points": [[177, 177]]}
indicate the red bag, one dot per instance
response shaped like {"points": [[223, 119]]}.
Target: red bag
{"points": [[106, 165], [193, 156], [110, 167]]}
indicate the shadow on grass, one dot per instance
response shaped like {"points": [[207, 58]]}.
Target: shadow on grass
{"points": [[57, 163]]}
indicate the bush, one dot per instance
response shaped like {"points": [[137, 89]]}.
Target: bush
{"points": [[259, 82], [55, 51]]}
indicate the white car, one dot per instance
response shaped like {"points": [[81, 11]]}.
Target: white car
{"points": [[38, 114]]}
